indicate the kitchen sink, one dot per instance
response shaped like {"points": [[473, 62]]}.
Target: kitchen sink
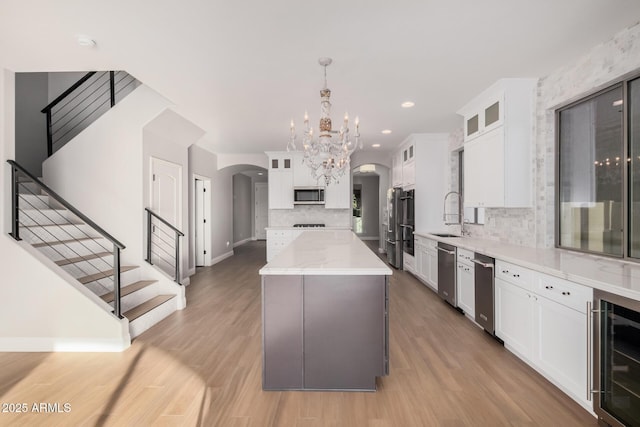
{"points": [[445, 235]]}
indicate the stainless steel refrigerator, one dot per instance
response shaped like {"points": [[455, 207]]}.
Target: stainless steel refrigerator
{"points": [[394, 231]]}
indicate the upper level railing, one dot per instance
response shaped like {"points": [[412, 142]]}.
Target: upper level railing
{"points": [[163, 244], [86, 100], [64, 234]]}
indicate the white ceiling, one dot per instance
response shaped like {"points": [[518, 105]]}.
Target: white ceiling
{"points": [[241, 70]]}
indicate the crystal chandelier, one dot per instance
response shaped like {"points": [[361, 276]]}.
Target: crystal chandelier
{"points": [[329, 155]]}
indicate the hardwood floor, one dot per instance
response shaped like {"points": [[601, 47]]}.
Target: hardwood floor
{"points": [[202, 367]]}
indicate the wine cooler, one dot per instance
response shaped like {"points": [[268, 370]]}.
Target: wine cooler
{"points": [[616, 362]]}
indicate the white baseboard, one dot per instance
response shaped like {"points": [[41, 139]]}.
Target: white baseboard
{"points": [[192, 271], [382, 250], [242, 242], [71, 345], [186, 281], [221, 257]]}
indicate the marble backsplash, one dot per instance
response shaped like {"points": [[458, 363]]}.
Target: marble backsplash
{"points": [[310, 214]]}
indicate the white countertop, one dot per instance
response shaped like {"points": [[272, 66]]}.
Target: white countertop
{"points": [[610, 275], [326, 252]]}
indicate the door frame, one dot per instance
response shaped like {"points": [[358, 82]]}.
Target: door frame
{"points": [[207, 213]]}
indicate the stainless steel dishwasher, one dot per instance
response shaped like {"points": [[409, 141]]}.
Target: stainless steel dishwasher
{"points": [[447, 273], [484, 291]]}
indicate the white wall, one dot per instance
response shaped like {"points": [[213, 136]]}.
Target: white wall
{"points": [[31, 124], [100, 172], [242, 208], [203, 162], [58, 82], [41, 311]]}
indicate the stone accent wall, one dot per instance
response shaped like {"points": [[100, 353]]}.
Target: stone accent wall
{"points": [[310, 214], [604, 65]]}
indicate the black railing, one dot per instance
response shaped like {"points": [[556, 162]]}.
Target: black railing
{"points": [[86, 100], [62, 233], [163, 244]]}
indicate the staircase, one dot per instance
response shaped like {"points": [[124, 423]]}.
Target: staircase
{"points": [[85, 253]]}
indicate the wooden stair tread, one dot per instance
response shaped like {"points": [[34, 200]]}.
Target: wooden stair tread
{"points": [[129, 289], [147, 306], [101, 275], [68, 261], [63, 242]]}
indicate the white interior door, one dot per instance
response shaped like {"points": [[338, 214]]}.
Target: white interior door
{"points": [[166, 201], [262, 209], [200, 221]]}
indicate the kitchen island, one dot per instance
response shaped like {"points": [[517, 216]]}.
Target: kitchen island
{"points": [[325, 322]]}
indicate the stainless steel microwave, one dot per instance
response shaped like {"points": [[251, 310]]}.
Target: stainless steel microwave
{"points": [[308, 196]]}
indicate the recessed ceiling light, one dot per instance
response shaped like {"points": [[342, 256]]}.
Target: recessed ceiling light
{"points": [[375, 145], [618, 103], [260, 173], [386, 131], [85, 41], [407, 104]]}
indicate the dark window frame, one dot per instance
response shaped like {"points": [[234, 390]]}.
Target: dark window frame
{"points": [[622, 83]]}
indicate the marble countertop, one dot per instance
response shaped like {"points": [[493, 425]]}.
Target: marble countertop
{"points": [[326, 252], [610, 275]]}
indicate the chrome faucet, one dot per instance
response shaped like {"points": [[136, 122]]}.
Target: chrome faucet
{"points": [[459, 216]]}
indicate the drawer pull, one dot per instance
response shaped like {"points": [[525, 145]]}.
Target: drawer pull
{"points": [[505, 271], [516, 275], [548, 287], [566, 293]]}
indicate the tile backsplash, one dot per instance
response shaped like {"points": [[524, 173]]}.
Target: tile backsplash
{"points": [[310, 214]]}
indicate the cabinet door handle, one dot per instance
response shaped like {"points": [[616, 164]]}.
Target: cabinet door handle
{"points": [[566, 293], [516, 275], [548, 287], [505, 271]]}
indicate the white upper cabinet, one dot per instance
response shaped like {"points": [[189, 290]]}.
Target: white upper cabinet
{"points": [[302, 173], [337, 195], [409, 166], [498, 127], [280, 180], [396, 169]]}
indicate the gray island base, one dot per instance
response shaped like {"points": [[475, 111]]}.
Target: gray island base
{"points": [[325, 331]]}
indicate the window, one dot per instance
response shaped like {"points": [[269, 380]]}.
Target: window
{"points": [[598, 173]]}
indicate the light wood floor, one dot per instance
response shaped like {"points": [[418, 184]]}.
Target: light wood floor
{"points": [[202, 367]]}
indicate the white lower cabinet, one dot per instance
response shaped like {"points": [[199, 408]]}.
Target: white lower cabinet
{"points": [[409, 263], [466, 283], [548, 333], [426, 262], [432, 253], [514, 317], [277, 240], [561, 345]]}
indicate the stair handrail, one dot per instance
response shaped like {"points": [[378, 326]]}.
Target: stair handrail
{"points": [[178, 234], [64, 203], [15, 226], [66, 93]]}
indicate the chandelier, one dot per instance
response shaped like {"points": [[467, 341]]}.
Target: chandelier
{"points": [[329, 155]]}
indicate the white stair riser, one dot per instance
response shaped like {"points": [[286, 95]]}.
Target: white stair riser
{"points": [[76, 249], [149, 319], [31, 201], [46, 217], [138, 297], [55, 232], [102, 286]]}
